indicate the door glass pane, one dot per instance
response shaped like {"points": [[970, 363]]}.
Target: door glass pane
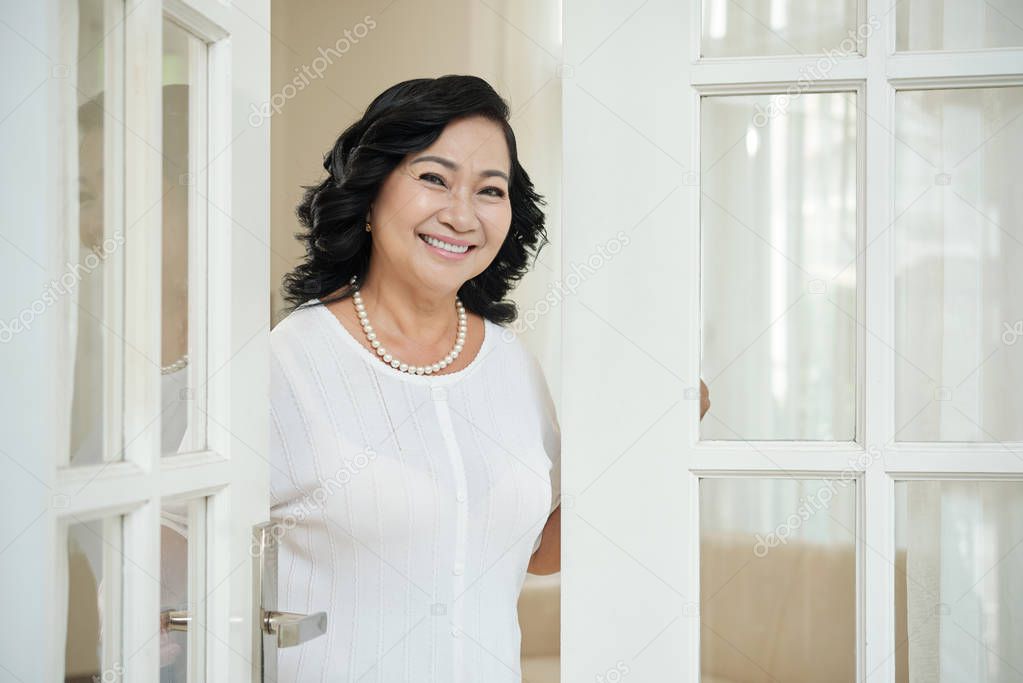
{"points": [[180, 541], [778, 580], [183, 97], [740, 28], [958, 249], [87, 278], [94, 598], [959, 581], [958, 24], [778, 265]]}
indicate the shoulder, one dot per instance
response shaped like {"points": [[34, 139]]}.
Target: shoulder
{"points": [[292, 328], [519, 359], [509, 347], [296, 342]]}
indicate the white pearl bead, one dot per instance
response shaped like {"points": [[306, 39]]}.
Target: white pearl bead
{"points": [[394, 362]]}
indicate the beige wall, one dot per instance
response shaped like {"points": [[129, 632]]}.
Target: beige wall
{"points": [[515, 45]]}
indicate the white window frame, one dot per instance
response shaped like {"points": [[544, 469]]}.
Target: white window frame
{"points": [[669, 453], [227, 476]]}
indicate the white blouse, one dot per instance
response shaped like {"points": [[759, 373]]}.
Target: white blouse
{"points": [[407, 506]]}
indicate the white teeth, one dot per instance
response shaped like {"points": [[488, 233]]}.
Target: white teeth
{"points": [[444, 245]]}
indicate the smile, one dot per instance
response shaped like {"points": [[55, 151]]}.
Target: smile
{"points": [[446, 248]]}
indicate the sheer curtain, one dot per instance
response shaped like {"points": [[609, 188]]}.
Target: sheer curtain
{"points": [[963, 567], [778, 213], [959, 377]]}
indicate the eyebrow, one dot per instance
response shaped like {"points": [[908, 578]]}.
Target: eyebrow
{"points": [[447, 163]]}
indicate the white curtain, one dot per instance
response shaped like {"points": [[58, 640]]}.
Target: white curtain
{"points": [[778, 211], [964, 566]]}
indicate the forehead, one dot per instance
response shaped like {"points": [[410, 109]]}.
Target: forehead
{"points": [[475, 142]]}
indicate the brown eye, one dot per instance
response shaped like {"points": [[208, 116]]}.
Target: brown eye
{"points": [[495, 192], [431, 177]]}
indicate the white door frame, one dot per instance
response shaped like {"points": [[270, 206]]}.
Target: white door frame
{"points": [[229, 288], [632, 83]]}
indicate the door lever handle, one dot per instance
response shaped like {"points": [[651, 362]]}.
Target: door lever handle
{"points": [[294, 629], [291, 629], [175, 619]]}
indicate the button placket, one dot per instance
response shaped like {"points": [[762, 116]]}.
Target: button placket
{"points": [[440, 395]]}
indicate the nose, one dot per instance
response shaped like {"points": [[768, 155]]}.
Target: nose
{"points": [[459, 214]]}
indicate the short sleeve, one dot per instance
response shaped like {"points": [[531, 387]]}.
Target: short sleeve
{"points": [[551, 433], [283, 490], [290, 481]]}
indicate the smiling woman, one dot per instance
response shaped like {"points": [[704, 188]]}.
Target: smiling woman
{"points": [[394, 142], [437, 414]]}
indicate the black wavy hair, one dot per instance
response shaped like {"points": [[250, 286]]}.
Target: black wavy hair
{"points": [[406, 118]]}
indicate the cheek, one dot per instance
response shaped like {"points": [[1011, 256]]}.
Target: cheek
{"points": [[497, 220], [404, 204]]}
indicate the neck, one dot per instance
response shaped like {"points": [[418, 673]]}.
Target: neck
{"points": [[427, 317]]}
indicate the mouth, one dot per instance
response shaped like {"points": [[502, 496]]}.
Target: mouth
{"points": [[444, 248]]}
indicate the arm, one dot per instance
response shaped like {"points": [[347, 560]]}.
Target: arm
{"points": [[547, 558]]}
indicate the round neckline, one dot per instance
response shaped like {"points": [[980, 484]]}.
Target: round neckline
{"points": [[431, 379]]}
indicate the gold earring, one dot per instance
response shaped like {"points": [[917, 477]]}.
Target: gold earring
{"points": [[367, 226]]}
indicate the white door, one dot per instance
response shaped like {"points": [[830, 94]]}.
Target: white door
{"points": [[815, 207], [135, 332]]}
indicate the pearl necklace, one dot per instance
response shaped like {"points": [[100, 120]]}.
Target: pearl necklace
{"points": [[447, 360], [175, 366]]}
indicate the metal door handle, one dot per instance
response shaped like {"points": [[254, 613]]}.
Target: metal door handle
{"points": [[290, 628], [175, 619], [294, 629]]}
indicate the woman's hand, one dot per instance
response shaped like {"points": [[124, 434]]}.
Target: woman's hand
{"points": [[704, 399], [547, 558]]}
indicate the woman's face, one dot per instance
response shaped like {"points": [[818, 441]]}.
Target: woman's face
{"points": [[455, 190]]}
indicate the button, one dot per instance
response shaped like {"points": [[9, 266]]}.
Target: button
{"points": [[459, 569], [460, 496], [439, 394]]}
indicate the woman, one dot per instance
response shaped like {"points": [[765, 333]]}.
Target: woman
{"points": [[415, 446]]}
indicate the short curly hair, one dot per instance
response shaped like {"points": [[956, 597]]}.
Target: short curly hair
{"points": [[406, 118]]}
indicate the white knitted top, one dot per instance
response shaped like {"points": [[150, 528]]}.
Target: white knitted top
{"points": [[407, 506]]}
